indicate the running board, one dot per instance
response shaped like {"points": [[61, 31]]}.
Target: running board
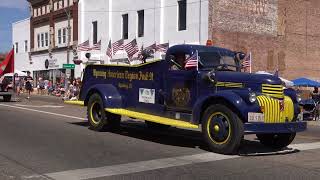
{"points": [[79, 103], [152, 118]]}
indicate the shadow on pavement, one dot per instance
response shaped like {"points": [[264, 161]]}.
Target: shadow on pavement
{"points": [[186, 138]]}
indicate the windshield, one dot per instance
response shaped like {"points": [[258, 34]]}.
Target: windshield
{"points": [[210, 60]]}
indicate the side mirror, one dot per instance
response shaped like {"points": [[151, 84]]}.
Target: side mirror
{"points": [[211, 76]]}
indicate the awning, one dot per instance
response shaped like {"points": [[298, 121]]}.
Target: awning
{"points": [[306, 82]]}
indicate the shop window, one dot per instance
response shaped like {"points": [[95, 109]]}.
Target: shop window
{"points": [[125, 26], [95, 32], [140, 23], [182, 15]]}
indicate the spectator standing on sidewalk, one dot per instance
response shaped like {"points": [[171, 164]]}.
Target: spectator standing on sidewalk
{"points": [[28, 81], [17, 82]]}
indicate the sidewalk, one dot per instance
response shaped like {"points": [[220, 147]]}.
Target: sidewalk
{"points": [[313, 123]]}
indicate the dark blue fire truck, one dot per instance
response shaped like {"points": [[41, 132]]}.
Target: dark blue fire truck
{"points": [[216, 96]]}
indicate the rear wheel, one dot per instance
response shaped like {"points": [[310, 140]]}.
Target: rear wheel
{"points": [[222, 129], [277, 141], [157, 126], [7, 98], [98, 118]]}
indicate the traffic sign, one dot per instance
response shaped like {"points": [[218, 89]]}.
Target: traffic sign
{"points": [[68, 66]]}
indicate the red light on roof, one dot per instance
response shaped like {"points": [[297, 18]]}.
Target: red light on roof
{"points": [[209, 42]]}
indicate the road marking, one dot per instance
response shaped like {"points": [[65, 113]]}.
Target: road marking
{"points": [[121, 169], [306, 146], [44, 112], [42, 106]]}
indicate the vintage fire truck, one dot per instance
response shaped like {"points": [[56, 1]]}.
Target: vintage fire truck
{"points": [[216, 97]]}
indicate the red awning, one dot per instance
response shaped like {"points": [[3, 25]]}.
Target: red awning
{"points": [[7, 66]]}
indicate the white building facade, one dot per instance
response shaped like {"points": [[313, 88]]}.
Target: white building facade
{"points": [[21, 44], [152, 21]]}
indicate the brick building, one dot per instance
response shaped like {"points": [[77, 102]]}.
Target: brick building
{"points": [[49, 37], [281, 34]]}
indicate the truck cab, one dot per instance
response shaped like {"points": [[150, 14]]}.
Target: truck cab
{"points": [[214, 95]]}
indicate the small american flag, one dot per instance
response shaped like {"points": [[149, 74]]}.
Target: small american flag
{"points": [[140, 53], [162, 47], [116, 46], [85, 46], [109, 50], [131, 48], [192, 61], [152, 47], [246, 63], [97, 46]]}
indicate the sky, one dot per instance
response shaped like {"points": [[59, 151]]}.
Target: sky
{"points": [[10, 11]]}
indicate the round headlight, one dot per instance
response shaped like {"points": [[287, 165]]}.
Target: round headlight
{"points": [[252, 97], [299, 99]]}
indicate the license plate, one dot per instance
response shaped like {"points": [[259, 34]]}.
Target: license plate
{"points": [[255, 117]]}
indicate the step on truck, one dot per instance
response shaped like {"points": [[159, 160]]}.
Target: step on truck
{"points": [[214, 96]]}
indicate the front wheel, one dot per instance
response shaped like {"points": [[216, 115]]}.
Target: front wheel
{"points": [[276, 141], [98, 118], [222, 129]]}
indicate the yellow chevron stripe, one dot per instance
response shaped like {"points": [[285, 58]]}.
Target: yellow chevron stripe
{"points": [[152, 118]]}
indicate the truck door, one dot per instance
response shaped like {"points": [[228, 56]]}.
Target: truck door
{"points": [[180, 92]]}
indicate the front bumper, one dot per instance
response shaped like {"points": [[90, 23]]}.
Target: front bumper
{"points": [[265, 128]]}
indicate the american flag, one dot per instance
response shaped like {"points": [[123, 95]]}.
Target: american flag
{"points": [[140, 53], [152, 47], [246, 63], [192, 61], [131, 48], [162, 47], [97, 46], [109, 50], [85, 46], [116, 46]]}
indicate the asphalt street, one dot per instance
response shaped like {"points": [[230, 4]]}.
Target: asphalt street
{"points": [[42, 138]]}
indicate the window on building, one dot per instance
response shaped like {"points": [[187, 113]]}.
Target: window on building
{"points": [[59, 36], [47, 39], [64, 35], [70, 2], [66, 4], [62, 4], [95, 32], [38, 39], [17, 47], [182, 15], [44, 10], [55, 6], [141, 23], [39, 11], [125, 24], [34, 12], [42, 40], [25, 46], [48, 8]]}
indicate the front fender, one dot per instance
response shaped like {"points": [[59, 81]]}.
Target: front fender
{"points": [[109, 94], [233, 100]]}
